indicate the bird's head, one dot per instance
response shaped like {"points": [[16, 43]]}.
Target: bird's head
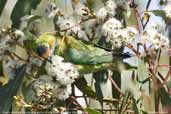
{"points": [[45, 45]]}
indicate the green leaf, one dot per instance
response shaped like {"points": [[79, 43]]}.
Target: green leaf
{"points": [[131, 20], [1, 73], [31, 19], [124, 101], [8, 91], [116, 76], [142, 72], [100, 77], [42, 70], [81, 84], [92, 111], [34, 18], [1, 68], [160, 13], [2, 5], [3, 78], [90, 4], [30, 44], [22, 8], [165, 97], [162, 2], [135, 108], [143, 112], [169, 84]]}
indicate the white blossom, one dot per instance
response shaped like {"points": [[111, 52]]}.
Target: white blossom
{"points": [[68, 24], [131, 34], [118, 38], [64, 72], [121, 37], [110, 7], [107, 11], [62, 92], [160, 41], [19, 33], [82, 11], [51, 10], [6, 44], [24, 21], [46, 90], [20, 36], [155, 39], [122, 3], [110, 25], [101, 14], [158, 25], [33, 62], [9, 67], [43, 89], [116, 35], [146, 35], [167, 9]]}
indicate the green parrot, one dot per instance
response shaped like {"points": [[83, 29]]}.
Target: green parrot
{"points": [[86, 57]]}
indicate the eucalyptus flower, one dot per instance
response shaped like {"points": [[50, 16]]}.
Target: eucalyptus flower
{"points": [[32, 64], [167, 9], [43, 89], [6, 43], [110, 7], [51, 10], [62, 92], [101, 14], [111, 25], [63, 72], [157, 40], [82, 11]]}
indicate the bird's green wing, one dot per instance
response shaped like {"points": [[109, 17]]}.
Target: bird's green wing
{"points": [[82, 53]]}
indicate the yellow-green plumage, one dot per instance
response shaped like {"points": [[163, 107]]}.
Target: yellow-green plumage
{"points": [[86, 57]]}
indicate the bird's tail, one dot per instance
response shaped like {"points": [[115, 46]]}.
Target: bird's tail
{"points": [[119, 56], [109, 57]]}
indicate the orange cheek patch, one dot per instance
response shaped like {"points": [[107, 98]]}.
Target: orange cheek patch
{"points": [[47, 54]]}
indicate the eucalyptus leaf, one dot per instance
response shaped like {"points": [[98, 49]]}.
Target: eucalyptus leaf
{"points": [[2, 5], [10, 90], [160, 13], [135, 108], [100, 77], [92, 111], [124, 101], [143, 112], [3, 77], [34, 18], [30, 44], [165, 97], [81, 84], [22, 8], [162, 2], [142, 72], [132, 19], [1, 68], [169, 84], [90, 4], [116, 76]]}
